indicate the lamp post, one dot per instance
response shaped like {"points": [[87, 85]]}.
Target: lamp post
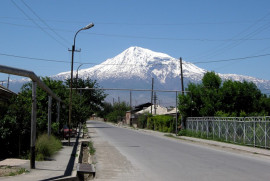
{"points": [[71, 77]]}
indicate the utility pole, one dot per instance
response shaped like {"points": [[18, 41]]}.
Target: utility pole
{"points": [[155, 102], [152, 95], [130, 102], [182, 78], [113, 101], [33, 126], [49, 114], [182, 85], [8, 81]]}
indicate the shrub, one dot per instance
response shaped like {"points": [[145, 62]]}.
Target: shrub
{"points": [[46, 146], [162, 123]]}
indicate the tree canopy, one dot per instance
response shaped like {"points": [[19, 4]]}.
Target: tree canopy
{"points": [[15, 118], [232, 98]]}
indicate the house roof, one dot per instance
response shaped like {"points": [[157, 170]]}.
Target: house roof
{"points": [[141, 107], [6, 93], [160, 110]]}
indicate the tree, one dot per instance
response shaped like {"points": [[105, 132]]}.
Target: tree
{"points": [[15, 124], [233, 98], [211, 80], [85, 102], [119, 111]]}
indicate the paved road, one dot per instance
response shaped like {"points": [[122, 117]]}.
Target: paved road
{"points": [[126, 154]]}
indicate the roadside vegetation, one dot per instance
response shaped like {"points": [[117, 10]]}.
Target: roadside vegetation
{"points": [[11, 171], [114, 113], [92, 150], [227, 99], [15, 117], [46, 146]]}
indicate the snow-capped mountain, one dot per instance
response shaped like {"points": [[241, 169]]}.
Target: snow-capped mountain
{"points": [[135, 67]]}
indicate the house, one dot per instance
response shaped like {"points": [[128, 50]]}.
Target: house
{"points": [[132, 119], [6, 94]]}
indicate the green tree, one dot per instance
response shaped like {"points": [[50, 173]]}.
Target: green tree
{"points": [[118, 113], [15, 124]]}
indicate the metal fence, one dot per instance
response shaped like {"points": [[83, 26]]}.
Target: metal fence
{"points": [[252, 131]]}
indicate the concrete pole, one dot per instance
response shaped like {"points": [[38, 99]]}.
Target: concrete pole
{"points": [[33, 125], [49, 115], [130, 97], [176, 117], [152, 95], [58, 114]]}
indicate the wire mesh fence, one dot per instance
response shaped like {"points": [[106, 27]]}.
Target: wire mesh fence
{"points": [[252, 131]]}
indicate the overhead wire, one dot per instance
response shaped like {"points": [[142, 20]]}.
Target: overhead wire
{"points": [[222, 47], [18, 7], [141, 24], [147, 37], [40, 19], [199, 62]]}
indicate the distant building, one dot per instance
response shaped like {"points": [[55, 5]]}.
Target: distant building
{"points": [[6, 94], [132, 119]]}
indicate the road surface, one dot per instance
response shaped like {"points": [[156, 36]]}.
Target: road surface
{"points": [[126, 154]]}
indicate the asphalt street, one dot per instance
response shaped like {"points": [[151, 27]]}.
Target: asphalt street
{"points": [[152, 157]]}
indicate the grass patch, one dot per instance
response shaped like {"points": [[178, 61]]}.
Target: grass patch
{"points": [[46, 146], [169, 135], [85, 130], [11, 171], [19, 172], [92, 150]]}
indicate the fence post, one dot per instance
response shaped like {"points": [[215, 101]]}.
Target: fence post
{"points": [[213, 128], [207, 129], [219, 130], [244, 121], [197, 126], [265, 134], [234, 130], [33, 125], [226, 130], [254, 133], [49, 115], [192, 125]]}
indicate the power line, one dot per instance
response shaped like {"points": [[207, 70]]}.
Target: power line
{"points": [[232, 59], [150, 38], [62, 61], [37, 24], [223, 47], [44, 22], [143, 24]]}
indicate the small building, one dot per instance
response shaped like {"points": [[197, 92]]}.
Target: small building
{"points": [[130, 115], [132, 119], [6, 94]]}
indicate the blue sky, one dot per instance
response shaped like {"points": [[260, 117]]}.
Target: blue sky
{"points": [[196, 30]]}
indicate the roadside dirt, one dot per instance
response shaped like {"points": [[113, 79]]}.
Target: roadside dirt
{"points": [[8, 170], [9, 166], [110, 163]]}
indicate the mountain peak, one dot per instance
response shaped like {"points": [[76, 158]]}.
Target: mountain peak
{"points": [[141, 64], [140, 52]]}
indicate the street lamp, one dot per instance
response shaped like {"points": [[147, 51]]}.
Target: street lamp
{"points": [[71, 76]]}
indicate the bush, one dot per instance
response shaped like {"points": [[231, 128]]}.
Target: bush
{"points": [[46, 146], [162, 123], [142, 120]]}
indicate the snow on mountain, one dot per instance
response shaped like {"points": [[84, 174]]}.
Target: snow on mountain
{"points": [[134, 68]]}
